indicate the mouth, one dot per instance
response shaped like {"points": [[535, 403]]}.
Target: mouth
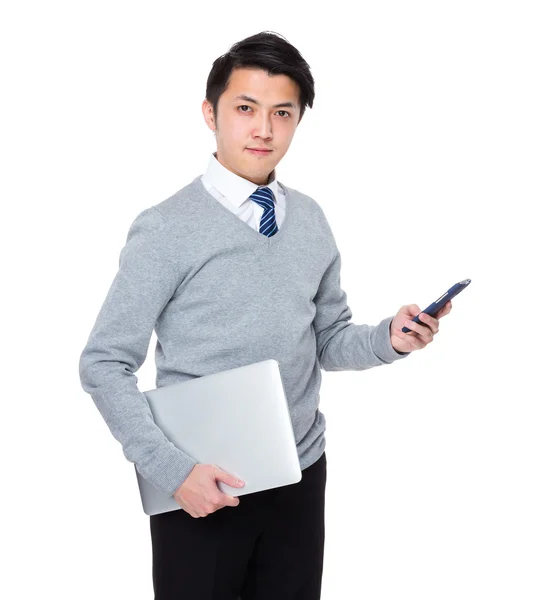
{"points": [[259, 151]]}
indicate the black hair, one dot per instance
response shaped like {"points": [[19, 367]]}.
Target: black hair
{"points": [[270, 52]]}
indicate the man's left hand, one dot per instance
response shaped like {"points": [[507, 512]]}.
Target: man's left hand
{"points": [[421, 335]]}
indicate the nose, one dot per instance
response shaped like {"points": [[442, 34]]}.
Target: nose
{"points": [[263, 126]]}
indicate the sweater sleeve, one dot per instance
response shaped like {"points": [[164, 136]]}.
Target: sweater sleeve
{"points": [[117, 347], [341, 344]]}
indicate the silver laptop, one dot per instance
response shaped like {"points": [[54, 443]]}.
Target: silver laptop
{"points": [[237, 420]]}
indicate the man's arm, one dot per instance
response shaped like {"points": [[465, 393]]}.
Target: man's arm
{"points": [[342, 345], [117, 347]]}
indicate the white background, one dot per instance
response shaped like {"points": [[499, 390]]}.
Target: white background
{"points": [[421, 149]]}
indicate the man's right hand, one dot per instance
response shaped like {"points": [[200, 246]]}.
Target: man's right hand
{"points": [[199, 495]]}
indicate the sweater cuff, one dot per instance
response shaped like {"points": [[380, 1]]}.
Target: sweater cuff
{"points": [[173, 468], [381, 342]]}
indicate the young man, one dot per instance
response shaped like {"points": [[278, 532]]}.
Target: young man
{"points": [[235, 268]]}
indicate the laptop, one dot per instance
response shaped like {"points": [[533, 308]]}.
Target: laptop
{"points": [[236, 419]]}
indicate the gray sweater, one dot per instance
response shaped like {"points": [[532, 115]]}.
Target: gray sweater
{"points": [[219, 295]]}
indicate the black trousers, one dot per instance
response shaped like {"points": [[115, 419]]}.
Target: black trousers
{"points": [[269, 547]]}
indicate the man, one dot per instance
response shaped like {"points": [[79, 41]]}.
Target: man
{"points": [[235, 268]]}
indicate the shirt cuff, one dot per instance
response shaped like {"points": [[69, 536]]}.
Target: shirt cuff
{"points": [[382, 345]]}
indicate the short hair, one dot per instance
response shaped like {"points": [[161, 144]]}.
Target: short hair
{"points": [[268, 51]]}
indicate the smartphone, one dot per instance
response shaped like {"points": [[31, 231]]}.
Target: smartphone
{"points": [[436, 306]]}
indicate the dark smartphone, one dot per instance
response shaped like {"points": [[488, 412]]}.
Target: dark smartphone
{"points": [[435, 307]]}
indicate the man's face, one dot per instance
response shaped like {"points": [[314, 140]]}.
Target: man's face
{"points": [[244, 124]]}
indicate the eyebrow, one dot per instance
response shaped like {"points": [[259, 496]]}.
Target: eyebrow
{"points": [[254, 101]]}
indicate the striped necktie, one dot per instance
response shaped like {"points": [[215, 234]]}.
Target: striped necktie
{"points": [[264, 196]]}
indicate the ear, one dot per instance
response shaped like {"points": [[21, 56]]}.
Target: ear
{"points": [[208, 114]]}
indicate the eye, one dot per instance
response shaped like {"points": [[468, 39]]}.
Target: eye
{"points": [[280, 111]]}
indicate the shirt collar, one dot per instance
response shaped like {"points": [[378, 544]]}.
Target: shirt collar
{"points": [[233, 187]]}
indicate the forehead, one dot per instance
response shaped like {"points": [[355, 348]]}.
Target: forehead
{"points": [[265, 88]]}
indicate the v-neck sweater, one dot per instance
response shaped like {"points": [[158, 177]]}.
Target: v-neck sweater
{"points": [[219, 295]]}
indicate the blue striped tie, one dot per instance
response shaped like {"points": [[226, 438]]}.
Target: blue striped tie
{"points": [[264, 196]]}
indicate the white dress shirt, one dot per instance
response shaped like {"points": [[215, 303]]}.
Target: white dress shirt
{"points": [[233, 192]]}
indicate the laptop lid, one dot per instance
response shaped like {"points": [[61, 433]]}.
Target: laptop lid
{"points": [[236, 419]]}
